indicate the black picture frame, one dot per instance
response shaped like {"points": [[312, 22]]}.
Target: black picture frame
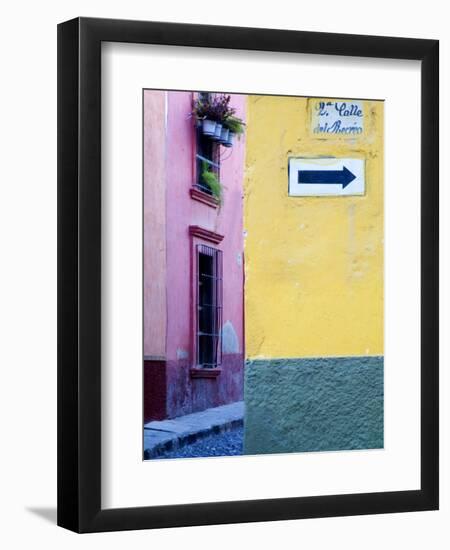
{"points": [[79, 274]]}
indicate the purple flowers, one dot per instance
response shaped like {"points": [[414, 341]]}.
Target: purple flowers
{"points": [[216, 108]]}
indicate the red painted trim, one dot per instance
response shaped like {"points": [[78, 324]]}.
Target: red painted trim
{"points": [[155, 390], [193, 312], [205, 234], [204, 373], [203, 197]]}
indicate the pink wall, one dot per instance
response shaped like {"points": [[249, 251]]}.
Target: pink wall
{"points": [[185, 394], [155, 306], [182, 211]]}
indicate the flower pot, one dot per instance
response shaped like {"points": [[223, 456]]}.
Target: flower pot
{"points": [[209, 127], [230, 140], [224, 135], [218, 131]]}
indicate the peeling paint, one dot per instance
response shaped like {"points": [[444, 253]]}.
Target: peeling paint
{"points": [[182, 354], [230, 341]]}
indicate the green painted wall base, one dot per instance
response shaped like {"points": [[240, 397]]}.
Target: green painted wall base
{"points": [[320, 404]]}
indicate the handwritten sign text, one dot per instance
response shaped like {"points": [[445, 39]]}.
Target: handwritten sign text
{"points": [[341, 117]]}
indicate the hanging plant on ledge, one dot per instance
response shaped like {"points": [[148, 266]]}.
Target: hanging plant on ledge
{"points": [[210, 179], [218, 119], [234, 127]]}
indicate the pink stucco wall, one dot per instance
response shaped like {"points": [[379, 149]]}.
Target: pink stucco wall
{"points": [[183, 393], [182, 211], [155, 306]]}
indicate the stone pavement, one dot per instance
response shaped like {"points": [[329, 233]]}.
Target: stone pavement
{"points": [[166, 435]]}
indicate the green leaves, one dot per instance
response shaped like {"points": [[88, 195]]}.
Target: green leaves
{"points": [[211, 180], [234, 124]]}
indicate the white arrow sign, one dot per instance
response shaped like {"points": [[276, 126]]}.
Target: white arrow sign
{"points": [[326, 176]]}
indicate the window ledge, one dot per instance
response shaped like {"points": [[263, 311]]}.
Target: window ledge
{"points": [[198, 372], [205, 234], [203, 197]]}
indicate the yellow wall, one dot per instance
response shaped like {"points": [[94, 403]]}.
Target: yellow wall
{"points": [[313, 265]]}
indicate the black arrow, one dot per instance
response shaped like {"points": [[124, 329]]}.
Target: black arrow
{"points": [[341, 177]]}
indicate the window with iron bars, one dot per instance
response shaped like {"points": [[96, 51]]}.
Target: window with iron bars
{"points": [[209, 306], [207, 151]]}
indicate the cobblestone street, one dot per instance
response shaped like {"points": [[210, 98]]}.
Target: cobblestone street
{"points": [[216, 432], [228, 443]]}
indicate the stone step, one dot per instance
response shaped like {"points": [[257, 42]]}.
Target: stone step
{"points": [[167, 435]]}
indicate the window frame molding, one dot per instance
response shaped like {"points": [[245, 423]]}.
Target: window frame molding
{"points": [[197, 371], [196, 191]]}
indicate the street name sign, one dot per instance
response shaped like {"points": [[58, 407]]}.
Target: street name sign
{"points": [[314, 177], [337, 118]]}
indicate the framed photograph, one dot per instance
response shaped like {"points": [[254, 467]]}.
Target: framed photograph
{"points": [[247, 276]]}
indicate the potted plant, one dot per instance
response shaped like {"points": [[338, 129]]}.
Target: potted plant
{"points": [[210, 179], [204, 113], [235, 127], [217, 132], [224, 135], [209, 127], [221, 111], [212, 113]]}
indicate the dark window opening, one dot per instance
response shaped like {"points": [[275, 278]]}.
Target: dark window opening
{"points": [[209, 306], [207, 152]]}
